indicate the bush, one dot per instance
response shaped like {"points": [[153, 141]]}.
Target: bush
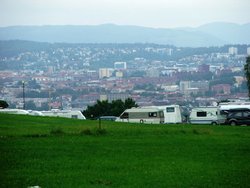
{"points": [[95, 132], [36, 135], [202, 131], [195, 131], [183, 131], [86, 132], [101, 132], [56, 131], [3, 104]]}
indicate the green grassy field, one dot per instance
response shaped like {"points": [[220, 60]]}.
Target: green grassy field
{"points": [[58, 152]]}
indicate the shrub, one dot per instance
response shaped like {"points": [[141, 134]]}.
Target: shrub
{"points": [[36, 135], [3, 104], [183, 131], [95, 132], [195, 131], [101, 131], [56, 131], [86, 132], [203, 131]]}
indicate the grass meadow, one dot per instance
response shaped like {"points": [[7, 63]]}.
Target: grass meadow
{"points": [[59, 152]]}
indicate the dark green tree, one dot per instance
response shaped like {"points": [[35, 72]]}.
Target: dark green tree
{"points": [[101, 108], [3, 104], [105, 108], [129, 103], [116, 107], [247, 73]]}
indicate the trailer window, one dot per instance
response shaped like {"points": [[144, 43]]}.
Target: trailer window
{"points": [[201, 114], [152, 114], [74, 116], [170, 109], [124, 116]]}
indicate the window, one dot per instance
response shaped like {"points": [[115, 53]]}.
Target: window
{"points": [[152, 114], [224, 112], [124, 115], [246, 114], [201, 114], [74, 116], [170, 109], [238, 114]]}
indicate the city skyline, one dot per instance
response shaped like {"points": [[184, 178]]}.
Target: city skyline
{"points": [[149, 13]]}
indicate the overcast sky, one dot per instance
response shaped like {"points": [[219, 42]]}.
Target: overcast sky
{"points": [[152, 13]]}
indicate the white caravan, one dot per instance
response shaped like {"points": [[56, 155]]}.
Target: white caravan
{"points": [[172, 113], [14, 111], [206, 115], [76, 114], [151, 115], [234, 105], [35, 113], [55, 113]]}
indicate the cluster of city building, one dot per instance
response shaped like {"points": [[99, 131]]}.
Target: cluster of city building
{"points": [[68, 78]]}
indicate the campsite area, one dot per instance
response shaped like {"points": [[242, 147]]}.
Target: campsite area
{"points": [[60, 152]]}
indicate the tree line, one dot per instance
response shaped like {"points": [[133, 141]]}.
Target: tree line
{"points": [[106, 108], [247, 73]]}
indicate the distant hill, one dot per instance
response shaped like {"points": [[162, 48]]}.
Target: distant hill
{"points": [[214, 34], [229, 32]]}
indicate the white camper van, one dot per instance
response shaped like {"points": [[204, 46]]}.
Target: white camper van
{"points": [[172, 113], [206, 115], [76, 114], [142, 115]]}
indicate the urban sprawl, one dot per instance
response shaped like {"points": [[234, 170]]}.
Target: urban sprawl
{"points": [[73, 76]]}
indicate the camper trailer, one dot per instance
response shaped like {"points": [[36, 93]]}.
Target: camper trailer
{"points": [[151, 115], [172, 113], [206, 115], [234, 105], [14, 111], [35, 113], [76, 114]]}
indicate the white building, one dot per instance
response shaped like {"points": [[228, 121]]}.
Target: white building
{"points": [[105, 72], [153, 72], [170, 88], [233, 51], [114, 96], [184, 86], [248, 51]]}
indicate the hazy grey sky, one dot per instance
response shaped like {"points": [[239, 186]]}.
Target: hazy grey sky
{"points": [[152, 13]]}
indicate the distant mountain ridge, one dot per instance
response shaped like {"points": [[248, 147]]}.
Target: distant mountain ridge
{"points": [[213, 34]]}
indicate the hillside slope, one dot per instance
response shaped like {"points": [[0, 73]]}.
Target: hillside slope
{"points": [[213, 34]]}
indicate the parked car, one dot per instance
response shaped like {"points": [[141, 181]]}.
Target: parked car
{"points": [[108, 118], [238, 117]]}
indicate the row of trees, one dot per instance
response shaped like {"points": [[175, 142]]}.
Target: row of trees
{"points": [[247, 74], [106, 108]]}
